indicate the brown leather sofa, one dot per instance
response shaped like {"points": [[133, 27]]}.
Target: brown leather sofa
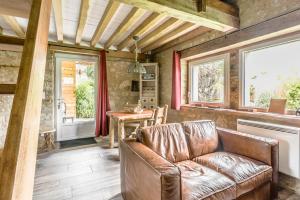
{"points": [[196, 160]]}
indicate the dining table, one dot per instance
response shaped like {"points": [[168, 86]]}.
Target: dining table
{"points": [[119, 118]]}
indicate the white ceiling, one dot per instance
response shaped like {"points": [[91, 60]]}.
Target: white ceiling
{"points": [[70, 13]]}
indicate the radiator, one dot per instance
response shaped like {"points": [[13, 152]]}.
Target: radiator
{"points": [[289, 142]]}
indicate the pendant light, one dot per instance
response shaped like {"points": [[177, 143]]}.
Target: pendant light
{"points": [[136, 67]]}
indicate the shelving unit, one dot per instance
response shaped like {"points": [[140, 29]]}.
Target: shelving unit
{"points": [[149, 86]]}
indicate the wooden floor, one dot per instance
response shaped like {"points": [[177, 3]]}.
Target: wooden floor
{"points": [[89, 173]]}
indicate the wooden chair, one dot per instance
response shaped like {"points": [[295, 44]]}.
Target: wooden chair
{"points": [[159, 117], [277, 106]]}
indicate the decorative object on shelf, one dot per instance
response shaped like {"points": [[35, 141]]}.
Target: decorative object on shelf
{"points": [[135, 86], [149, 76], [134, 108], [136, 67], [149, 86], [298, 112]]}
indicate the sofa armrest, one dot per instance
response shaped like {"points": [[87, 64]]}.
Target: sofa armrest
{"points": [[262, 149], [146, 175]]}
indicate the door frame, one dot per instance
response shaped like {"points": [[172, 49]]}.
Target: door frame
{"points": [[58, 58]]}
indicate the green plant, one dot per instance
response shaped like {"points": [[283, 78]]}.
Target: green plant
{"points": [[263, 101], [293, 96], [85, 107]]}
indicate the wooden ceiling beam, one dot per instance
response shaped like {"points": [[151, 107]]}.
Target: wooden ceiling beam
{"points": [[15, 8], [163, 29], [84, 8], [213, 17], [7, 88], [134, 15], [107, 15], [181, 30], [12, 22], [57, 8], [151, 21], [11, 40]]}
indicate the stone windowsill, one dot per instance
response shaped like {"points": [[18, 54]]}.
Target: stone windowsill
{"points": [[287, 119]]}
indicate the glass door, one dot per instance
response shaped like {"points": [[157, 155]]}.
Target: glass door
{"points": [[75, 96]]}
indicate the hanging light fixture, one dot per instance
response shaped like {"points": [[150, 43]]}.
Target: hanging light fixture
{"points": [[136, 67]]}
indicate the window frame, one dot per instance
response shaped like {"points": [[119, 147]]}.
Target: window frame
{"points": [[226, 58], [262, 45]]}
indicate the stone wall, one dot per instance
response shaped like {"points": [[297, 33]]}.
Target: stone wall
{"points": [[119, 86]]}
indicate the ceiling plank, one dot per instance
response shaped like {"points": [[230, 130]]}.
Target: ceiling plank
{"points": [[187, 11], [184, 38], [163, 29], [12, 22], [151, 21], [107, 15], [57, 8], [181, 30], [84, 8], [134, 15]]}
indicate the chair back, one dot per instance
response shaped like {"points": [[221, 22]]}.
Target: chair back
{"points": [[160, 115], [277, 106]]}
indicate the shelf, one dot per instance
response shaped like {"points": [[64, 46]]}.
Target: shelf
{"points": [[149, 80]]}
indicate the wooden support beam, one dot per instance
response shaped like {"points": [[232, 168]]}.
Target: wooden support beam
{"points": [[11, 40], [181, 30], [213, 18], [57, 8], [108, 14], [7, 88], [12, 22], [17, 167], [276, 27], [15, 8], [163, 29], [85, 4], [1, 31], [134, 15], [151, 21]]}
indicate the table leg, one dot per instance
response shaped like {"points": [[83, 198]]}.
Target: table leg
{"points": [[121, 131], [111, 133]]}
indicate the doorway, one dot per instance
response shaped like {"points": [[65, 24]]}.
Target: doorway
{"points": [[75, 85]]}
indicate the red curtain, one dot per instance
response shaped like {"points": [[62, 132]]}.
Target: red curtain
{"points": [[102, 98], [176, 81]]}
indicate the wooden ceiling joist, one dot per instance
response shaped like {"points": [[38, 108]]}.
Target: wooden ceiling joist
{"points": [[11, 40], [84, 7], [151, 21], [57, 8], [7, 88], [181, 30], [12, 22], [134, 15], [108, 14], [214, 17], [163, 29]]}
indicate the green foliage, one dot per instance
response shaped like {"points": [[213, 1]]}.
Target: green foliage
{"points": [[85, 107], [293, 96], [263, 100]]}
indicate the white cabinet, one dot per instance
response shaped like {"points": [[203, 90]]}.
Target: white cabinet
{"points": [[149, 86]]}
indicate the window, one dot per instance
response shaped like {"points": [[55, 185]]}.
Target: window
{"points": [[209, 81], [271, 71]]}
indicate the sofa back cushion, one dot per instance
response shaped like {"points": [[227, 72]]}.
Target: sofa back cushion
{"points": [[202, 137], [167, 140]]}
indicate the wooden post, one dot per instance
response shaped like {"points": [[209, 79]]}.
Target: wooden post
{"points": [[20, 150]]}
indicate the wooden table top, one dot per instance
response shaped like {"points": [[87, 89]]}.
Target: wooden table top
{"points": [[121, 115]]}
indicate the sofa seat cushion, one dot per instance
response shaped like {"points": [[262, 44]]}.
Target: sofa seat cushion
{"points": [[167, 140], [247, 173], [200, 182]]}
